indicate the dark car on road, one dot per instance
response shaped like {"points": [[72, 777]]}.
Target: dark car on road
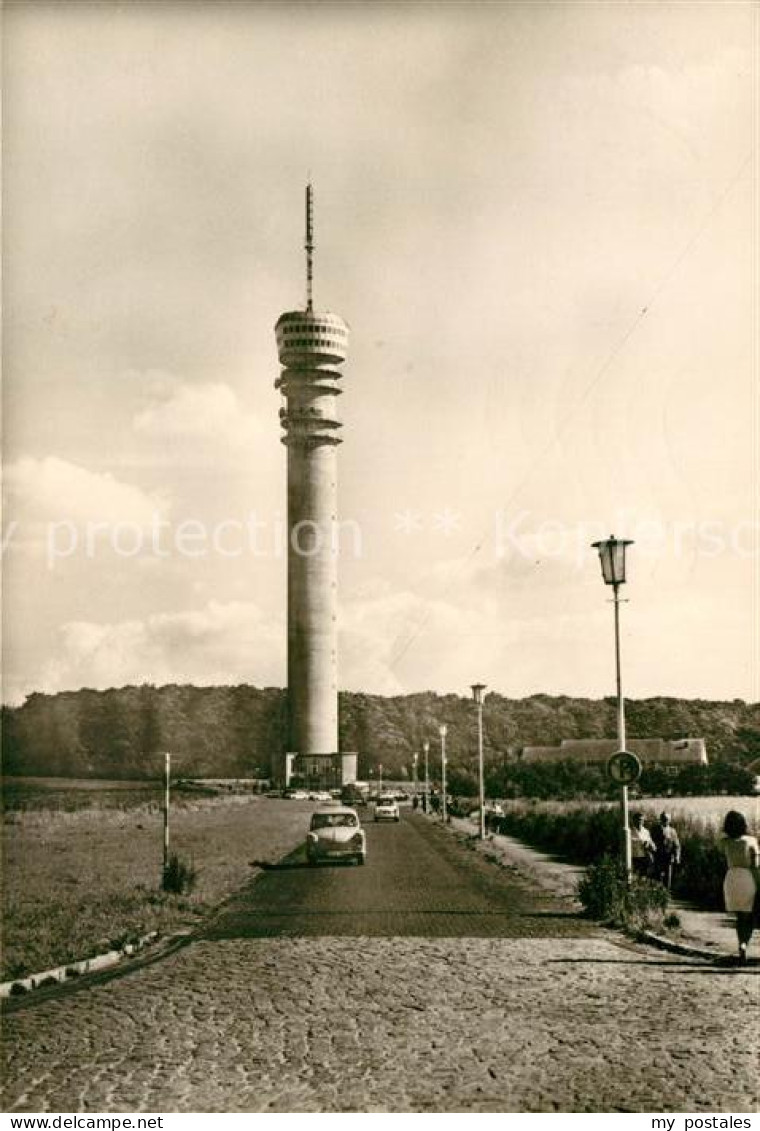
{"points": [[351, 795]]}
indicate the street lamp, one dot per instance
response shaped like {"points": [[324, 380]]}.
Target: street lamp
{"points": [[414, 777], [426, 751], [612, 558], [442, 732], [477, 694]]}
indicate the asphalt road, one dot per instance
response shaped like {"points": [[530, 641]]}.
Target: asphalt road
{"points": [[428, 980], [418, 880]]}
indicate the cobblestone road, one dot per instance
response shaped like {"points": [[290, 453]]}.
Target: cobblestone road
{"points": [[548, 1016]]}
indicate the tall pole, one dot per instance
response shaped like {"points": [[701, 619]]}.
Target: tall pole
{"points": [[627, 858], [167, 780], [612, 552], [481, 773], [443, 773], [414, 776], [426, 751], [312, 347], [380, 777]]}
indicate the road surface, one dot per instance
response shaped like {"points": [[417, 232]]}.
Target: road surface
{"points": [[429, 980]]}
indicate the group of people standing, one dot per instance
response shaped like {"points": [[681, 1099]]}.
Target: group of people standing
{"points": [[655, 854]]}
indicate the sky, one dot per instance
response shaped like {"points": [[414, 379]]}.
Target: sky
{"points": [[538, 220]]}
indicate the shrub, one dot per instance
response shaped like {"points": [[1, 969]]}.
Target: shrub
{"points": [[607, 895], [179, 877], [703, 865], [567, 780], [599, 890]]}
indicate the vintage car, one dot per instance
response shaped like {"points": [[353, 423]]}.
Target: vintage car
{"points": [[386, 808], [336, 834]]}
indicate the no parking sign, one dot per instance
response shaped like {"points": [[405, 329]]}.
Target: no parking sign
{"points": [[624, 767]]}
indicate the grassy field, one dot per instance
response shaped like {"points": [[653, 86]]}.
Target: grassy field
{"points": [[81, 878], [711, 811], [70, 794]]}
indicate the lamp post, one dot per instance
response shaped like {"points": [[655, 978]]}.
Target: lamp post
{"points": [[477, 694], [426, 751], [612, 558], [414, 776], [167, 799], [442, 732]]}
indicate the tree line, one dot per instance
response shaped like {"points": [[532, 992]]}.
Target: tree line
{"points": [[235, 731]]}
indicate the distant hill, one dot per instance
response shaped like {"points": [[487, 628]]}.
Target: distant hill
{"points": [[233, 731]]}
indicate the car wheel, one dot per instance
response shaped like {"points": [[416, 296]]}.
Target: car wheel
{"points": [[397, 818], [361, 859]]}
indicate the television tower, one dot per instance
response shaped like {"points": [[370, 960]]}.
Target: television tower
{"points": [[311, 347]]}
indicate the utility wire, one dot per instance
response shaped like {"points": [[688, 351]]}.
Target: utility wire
{"points": [[619, 346]]}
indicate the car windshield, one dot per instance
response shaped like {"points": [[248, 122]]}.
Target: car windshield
{"points": [[386, 801], [334, 821]]}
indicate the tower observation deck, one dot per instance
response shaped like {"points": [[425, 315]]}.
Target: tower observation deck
{"points": [[311, 347]]}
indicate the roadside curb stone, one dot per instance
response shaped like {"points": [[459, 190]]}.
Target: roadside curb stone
{"points": [[104, 961]]}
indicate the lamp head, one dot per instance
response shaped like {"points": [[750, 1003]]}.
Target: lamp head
{"points": [[477, 692], [442, 730], [426, 746], [612, 559]]}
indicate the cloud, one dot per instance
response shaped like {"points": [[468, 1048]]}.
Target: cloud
{"points": [[222, 643], [395, 640], [390, 639], [206, 414], [550, 630], [52, 490]]}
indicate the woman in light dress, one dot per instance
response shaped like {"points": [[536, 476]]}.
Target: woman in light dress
{"points": [[741, 882]]}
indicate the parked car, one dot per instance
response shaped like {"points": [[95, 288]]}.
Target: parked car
{"points": [[320, 795], [386, 808], [336, 834]]}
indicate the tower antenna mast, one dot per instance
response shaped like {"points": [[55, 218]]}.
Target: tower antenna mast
{"points": [[309, 245]]}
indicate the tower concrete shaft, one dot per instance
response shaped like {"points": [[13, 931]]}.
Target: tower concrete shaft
{"points": [[311, 347]]}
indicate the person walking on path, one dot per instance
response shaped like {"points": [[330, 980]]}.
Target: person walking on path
{"points": [[642, 846], [741, 882], [667, 850]]}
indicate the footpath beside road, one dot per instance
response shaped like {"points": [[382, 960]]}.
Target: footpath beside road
{"points": [[711, 933]]}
